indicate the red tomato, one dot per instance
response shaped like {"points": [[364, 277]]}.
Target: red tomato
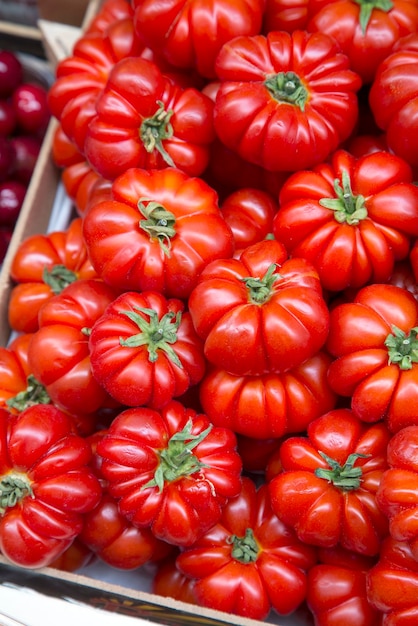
{"points": [[189, 34], [249, 213], [398, 490], [366, 31], [157, 233], [290, 15], [81, 77], [115, 541], [326, 489], [42, 266], [269, 405], [392, 584], [249, 562], [15, 376], [46, 485], [108, 13], [393, 98], [259, 314], [351, 218], [170, 470], [148, 123], [373, 342], [275, 108], [168, 581], [152, 340], [59, 355]]}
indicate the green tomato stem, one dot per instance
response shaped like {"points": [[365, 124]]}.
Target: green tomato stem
{"points": [[347, 207], [155, 129], [287, 87], [260, 289], [244, 549], [345, 477], [35, 393], [158, 223], [402, 348], [13, 488], [156, 334], [366, 9], [177, 459], [58, 278]]}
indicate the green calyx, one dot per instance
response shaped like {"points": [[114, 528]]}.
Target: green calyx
{"points": [[13, 488], [345, 477], [287, 87], [367, 7], [347, 207], [58, 278], [155, 129], [402, 348], [244, 549], [260, 289], [35, 393], [158, 223], [177, 459], [157, 334]]}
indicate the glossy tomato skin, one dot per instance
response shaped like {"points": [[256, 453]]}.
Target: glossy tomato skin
{"points": [[290, 15], [180, 501], [249, 212], [366, 43], [365, 369], [40, 448], [276, 303], [272, 125], [81, 77], [14, 369], [189, 35], [273, 576], [132, 253], [392, 584], [269, 405], [355, 241], [324, 511], [150, 123], [168, 581], [398, 490], [156, 349], [337, 593], [42, 266], [393, 98], [115, 541], [59, 355]]}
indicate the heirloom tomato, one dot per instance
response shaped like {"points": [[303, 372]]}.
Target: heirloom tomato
{"points": [[249, 213], [373, 340], [115, 541], [286, 101], [157, 232], [144, 350], [168, 581], [393, 98], [326, 489], [397, 495], [109, 12], [189, 34], [249, 562], [366, 30], [18, 387], [269, 405], [351, 218], [42, 267], [392, 584], [337, 596], [290, 15], [80, 78], [46, 485], [170, 470], [259, 314], [144, 119], [59, 355]]}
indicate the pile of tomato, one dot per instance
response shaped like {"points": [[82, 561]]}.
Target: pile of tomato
{"points": [[214, 368]]}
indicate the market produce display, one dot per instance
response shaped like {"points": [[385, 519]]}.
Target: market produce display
{"points": [[24, 116], [217, 358]]}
